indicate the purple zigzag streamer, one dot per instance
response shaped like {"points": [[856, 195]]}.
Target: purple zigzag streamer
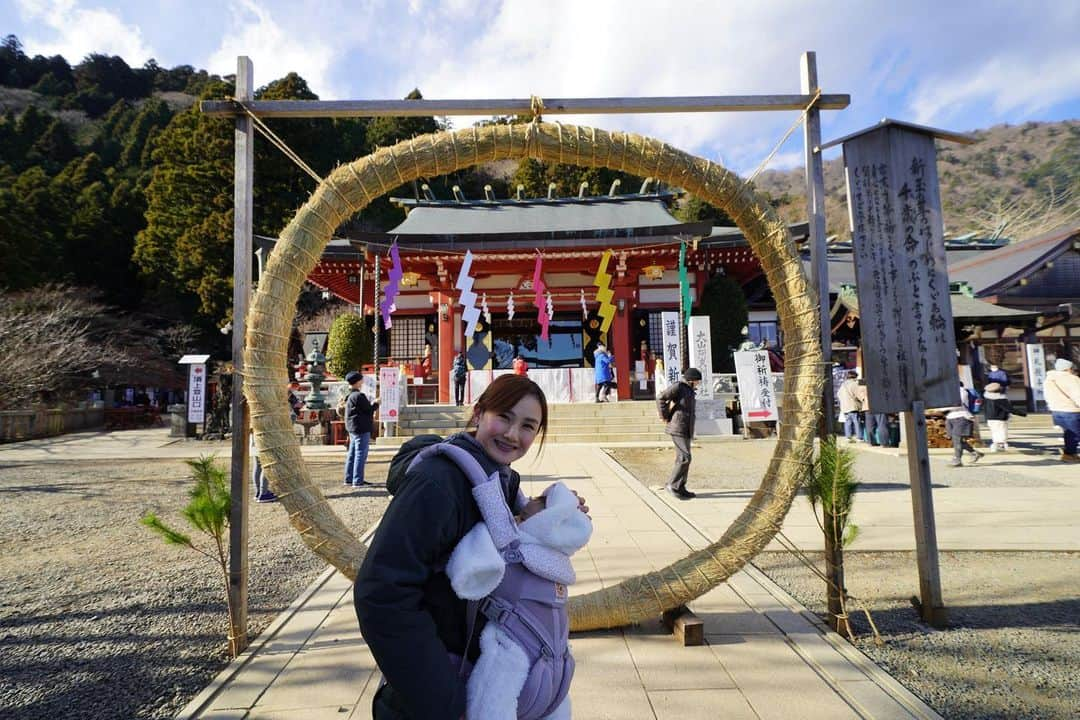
{"points": [[538, 298], [393, 284]]}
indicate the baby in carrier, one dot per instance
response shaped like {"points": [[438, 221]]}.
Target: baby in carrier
{"points": [[516, 571]]}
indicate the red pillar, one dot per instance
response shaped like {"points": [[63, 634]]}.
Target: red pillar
{"points": [[446, 345], [620, 339]]}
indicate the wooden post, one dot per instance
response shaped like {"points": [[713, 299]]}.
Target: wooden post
{"points": [[931, 606], [815, 213], [244, 139]]}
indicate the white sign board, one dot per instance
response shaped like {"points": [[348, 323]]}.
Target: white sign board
{"points": [[1036, 361], [196, 400], [701, 353], [389, 394], [905, 314], [756, 395], [672, 357]]}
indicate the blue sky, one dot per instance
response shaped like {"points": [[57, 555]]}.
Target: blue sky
{"points": [[956, 65]]}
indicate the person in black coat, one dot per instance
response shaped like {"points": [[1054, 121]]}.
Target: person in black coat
{"points": [[414, 624], [677, 407], [358, 423]]}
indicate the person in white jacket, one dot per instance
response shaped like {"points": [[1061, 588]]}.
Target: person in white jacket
{"points": [[960, 424], [1062, 392]]}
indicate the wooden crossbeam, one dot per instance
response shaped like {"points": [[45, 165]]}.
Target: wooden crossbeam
{"points": [[553, 106]]}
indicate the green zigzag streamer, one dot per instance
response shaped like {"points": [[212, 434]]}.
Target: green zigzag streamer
{"points": [[604, 294], [684, 283]]}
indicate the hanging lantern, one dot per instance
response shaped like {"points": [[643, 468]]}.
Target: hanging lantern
{"points": [[653, 272]]}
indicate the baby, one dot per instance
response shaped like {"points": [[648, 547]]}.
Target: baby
{"points": [[537, 544]]}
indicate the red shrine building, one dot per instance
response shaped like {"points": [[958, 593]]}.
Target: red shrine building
{"points": [[505, 237]]}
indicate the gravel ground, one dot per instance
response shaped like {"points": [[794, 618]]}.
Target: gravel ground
{"points": [[1012, 648], [101, 619]]}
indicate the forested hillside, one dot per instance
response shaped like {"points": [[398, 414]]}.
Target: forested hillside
{"points": [[1013, 182]]}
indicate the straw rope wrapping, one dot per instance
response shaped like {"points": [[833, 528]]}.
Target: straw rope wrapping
{"points": [[350, 187]]}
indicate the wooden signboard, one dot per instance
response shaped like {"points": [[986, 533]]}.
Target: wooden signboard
{"points": [[908, 342]]}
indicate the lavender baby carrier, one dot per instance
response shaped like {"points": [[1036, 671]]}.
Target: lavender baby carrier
{"points": [[527, 607]]}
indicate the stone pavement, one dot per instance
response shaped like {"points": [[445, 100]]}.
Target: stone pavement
{"points": [[765, 657]]}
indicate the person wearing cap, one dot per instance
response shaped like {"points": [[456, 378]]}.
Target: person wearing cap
{"points": [[358, 423], [997, 409], [677, 407], [1062, 392]]}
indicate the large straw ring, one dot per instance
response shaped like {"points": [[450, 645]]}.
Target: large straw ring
{"points": [[350, 187]]}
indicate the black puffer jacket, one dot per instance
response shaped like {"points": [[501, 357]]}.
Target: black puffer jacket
{"points": [[407, 610], [678, 405]]}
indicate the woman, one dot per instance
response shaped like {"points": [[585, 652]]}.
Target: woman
{"points": [[408, 612]]}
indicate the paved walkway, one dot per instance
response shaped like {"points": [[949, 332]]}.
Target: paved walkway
{"points": [[765, 657]]}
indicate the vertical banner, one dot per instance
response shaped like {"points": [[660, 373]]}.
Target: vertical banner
{"points": [[196, 405], [389, 394], [672, 363], [908, 346], [755, 386], [1036, 362], [701, 353]]}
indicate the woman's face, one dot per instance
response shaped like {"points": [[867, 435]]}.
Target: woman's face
{"points": [[507, 436]]}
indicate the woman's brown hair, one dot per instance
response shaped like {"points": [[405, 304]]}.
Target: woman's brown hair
{"points": [[504, 393]]}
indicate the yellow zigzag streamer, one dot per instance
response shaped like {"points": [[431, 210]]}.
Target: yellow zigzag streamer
{"points": [[602, 281]]}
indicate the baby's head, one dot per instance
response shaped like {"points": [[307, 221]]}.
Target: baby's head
{"points": [[555, 520]]}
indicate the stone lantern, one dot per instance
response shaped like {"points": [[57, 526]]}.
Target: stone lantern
{"points": [[316, 374]]}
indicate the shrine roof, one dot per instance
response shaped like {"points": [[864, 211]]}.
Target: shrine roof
{"points": [[560, 222], [991, 272], [964, 309]]}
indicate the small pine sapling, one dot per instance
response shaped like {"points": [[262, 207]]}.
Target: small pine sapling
{"points": [[207, 511]]}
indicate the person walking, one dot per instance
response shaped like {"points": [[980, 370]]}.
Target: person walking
{"points": [[603, 374], [999, 376], [677, 407], [1062, 392], [358, 423], [459, 372], [520, 366], [852, 400], [997, 409], [960, 425], [408, 611]]}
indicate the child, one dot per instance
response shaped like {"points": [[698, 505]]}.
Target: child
{"points": [[997, 409], [551, 528], [959, 423]]}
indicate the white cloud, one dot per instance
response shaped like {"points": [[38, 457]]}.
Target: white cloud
{"points": [[279, 43], [1002, 85], [75, 32]]}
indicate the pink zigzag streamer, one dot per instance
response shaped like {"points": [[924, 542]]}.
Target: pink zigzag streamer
{"points": [[393, 284], [538, 298]]}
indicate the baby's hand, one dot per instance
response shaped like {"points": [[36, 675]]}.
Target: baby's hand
{"points": [[532, 507]]}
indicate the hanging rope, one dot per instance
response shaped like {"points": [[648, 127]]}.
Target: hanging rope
{"points": [[277, 142], [798, 121]]}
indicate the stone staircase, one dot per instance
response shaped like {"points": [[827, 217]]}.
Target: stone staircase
{"points": [[625, 421]]}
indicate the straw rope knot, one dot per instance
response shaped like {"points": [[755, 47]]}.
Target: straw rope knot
{"points": [[536, 107]]}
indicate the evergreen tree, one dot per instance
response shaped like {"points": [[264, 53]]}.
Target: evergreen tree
{"points": [[723, 301]]}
